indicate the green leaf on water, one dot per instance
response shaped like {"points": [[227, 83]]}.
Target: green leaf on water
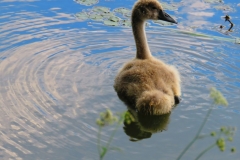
{"points": [[126, 23], [110, 23], [107, 15], [163, 23], [82, 16], [100, 9], [96, 17], [87, 2], [114, 19], [124, 11]]}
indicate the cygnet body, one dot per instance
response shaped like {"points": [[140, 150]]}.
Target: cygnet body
{"points": [[146, 83]]}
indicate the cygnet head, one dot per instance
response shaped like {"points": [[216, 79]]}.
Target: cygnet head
{"points": [[150, 9]]}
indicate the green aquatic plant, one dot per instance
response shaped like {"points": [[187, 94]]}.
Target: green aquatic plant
{"points": [[112, 21], [107, 118], [87, 2], [224, 135], [82, 16], [128, 118], [99, 13], [123, 11], [218, 99], [117, 17], [213, 1]]}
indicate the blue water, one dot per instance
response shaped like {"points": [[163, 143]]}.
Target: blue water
{"points": [[57, 73]]}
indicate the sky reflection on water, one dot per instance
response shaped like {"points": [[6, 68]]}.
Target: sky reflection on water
{"points": [[57, 74]]}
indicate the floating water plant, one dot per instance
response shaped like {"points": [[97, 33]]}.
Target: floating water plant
{"points": [[82, 16], [100, 9], [124, 11], [214, 1], [112, 21], [126, 23], [100, 13], [95, 17], [87, 2]]}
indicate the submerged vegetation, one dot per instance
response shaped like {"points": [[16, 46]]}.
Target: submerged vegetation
{"points": [[222, 136]]}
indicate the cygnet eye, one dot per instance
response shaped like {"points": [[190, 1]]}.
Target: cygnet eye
{"points": [[153, 8]]}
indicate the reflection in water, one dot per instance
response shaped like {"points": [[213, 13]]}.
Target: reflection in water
{"points": [[56, 76], [143, 126]]}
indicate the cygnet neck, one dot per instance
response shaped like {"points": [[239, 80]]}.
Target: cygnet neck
{"points": [[138, 27]]}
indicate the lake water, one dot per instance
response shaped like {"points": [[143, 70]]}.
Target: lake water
{"points": [[57, 68]]}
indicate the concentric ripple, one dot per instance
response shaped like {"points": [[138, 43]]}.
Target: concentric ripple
{"points": [[54, 82]]}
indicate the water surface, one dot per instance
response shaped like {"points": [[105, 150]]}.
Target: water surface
{"points": [[57, 72]]}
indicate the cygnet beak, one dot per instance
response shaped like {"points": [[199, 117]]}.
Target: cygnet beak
{"points": [[166, 17]]}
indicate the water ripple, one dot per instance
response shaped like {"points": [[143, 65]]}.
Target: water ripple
{"points": [[54, 82]]}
